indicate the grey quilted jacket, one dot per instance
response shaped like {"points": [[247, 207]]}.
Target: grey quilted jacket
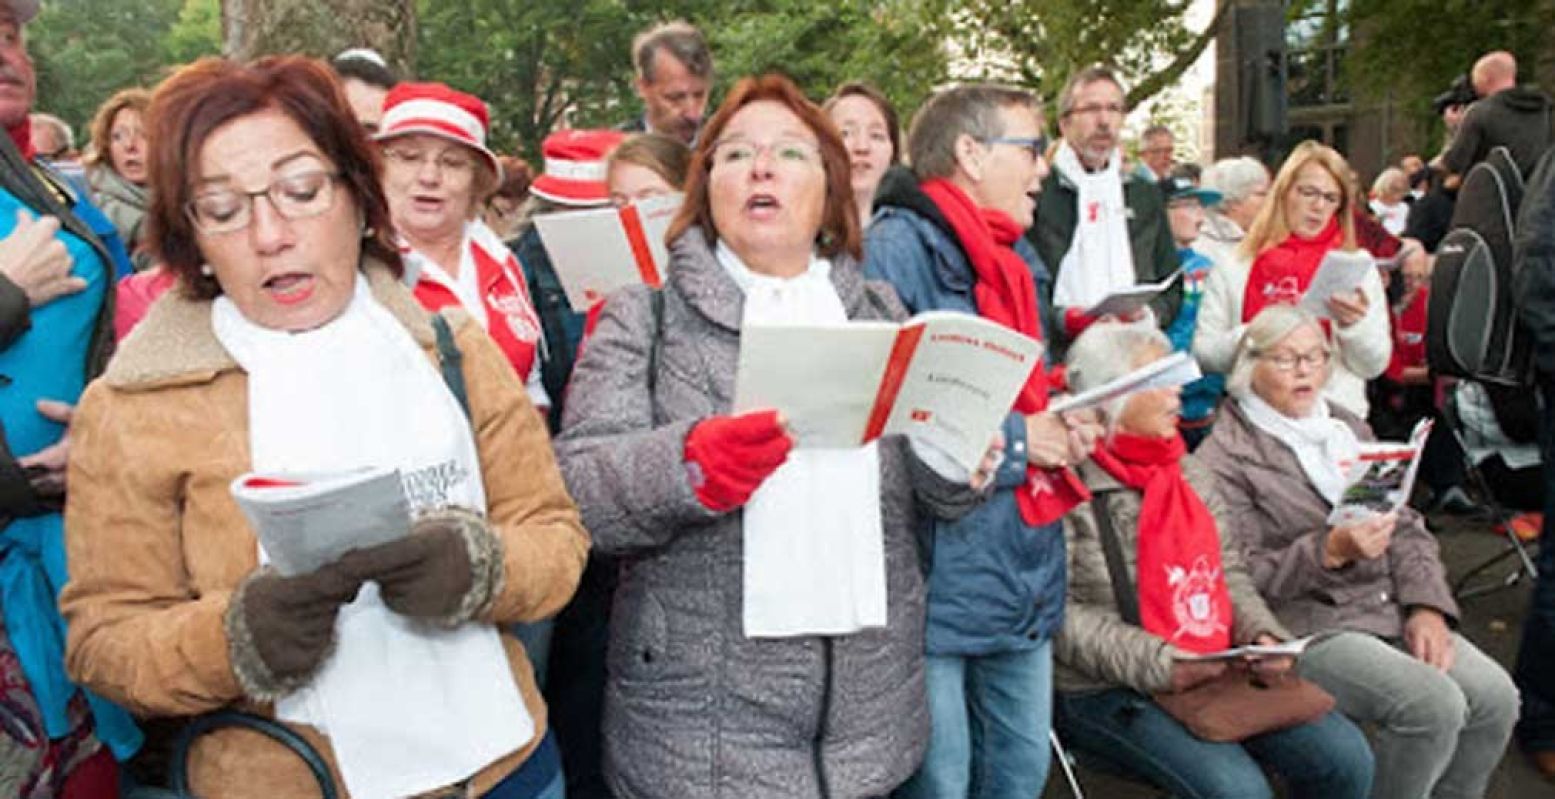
{"points": [[693, 708], [1096, 649]]}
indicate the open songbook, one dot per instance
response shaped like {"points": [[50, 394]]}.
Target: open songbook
{"points": [[1125, 302], [1382, 478], [944, 377], [599, 250], [1339, 272], [304, 521], [1177, 369]]}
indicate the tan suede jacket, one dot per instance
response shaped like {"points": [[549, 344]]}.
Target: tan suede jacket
{"points": [[157, 545]]}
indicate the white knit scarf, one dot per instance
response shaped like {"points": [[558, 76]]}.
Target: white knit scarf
{"points": [[1100, 259], [408, 707], [814, 561], [1326, 448]]}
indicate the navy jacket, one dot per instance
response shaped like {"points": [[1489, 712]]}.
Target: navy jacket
{"points": [[996, 584]]}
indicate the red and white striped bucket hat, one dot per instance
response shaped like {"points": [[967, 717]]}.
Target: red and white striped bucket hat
{"points": [[437, 110], [575, 167]]}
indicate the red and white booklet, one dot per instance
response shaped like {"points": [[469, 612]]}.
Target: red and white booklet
{"points": [[944, 377], [304, 521], [600, 250]]}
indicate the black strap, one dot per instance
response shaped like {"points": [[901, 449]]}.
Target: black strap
{"points": [[267, 727], [1123, 590], [656, 303], [451, 362]]}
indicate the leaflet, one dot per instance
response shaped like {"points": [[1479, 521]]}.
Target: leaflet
{"points": [[304, 521], [1177, 369], [1291, 648], [947, 378], [1340, 272], [1382, 478], [599, 250], [1125, 302]]}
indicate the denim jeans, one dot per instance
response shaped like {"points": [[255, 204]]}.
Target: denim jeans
{"points": [[990, 715], [1438, 735], [1326, 759], [536, 638], [540, 777]]}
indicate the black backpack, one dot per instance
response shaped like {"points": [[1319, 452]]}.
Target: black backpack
{"points": [[1471, 326]]}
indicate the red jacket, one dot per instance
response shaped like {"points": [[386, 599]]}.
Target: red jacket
{"points": [[510, 316]]}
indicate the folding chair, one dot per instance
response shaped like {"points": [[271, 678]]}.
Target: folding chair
{"points": [[1466, 586]]}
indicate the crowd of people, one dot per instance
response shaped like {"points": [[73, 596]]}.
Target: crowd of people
{"points": [[614, 584]]}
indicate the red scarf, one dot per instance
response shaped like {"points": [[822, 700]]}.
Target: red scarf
{"points": [[1282, 273], [21, 136], [1182, 591], [1006, 293]]}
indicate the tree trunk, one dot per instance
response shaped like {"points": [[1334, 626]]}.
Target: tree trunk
{"points": [[253, 28]]}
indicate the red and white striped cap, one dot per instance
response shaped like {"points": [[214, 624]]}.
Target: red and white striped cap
{"points": [[575, 166], [437, 110]]}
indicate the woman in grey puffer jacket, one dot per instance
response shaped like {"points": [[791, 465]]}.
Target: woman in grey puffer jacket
{"points": [[695, 707]]}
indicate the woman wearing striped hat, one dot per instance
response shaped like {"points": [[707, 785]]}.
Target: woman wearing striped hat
{"points": [[437, 171]]}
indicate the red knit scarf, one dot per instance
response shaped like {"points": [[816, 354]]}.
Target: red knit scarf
{"points": [[21, 136], [1182, 591], [1282, 273], [1005, 292]]}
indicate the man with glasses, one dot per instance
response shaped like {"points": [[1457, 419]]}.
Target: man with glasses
{"points": [[1100, 229], [59, 257], [1157, 148], [947, 236]]}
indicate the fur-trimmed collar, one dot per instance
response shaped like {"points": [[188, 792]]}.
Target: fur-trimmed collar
{"points": [[175, 344]]}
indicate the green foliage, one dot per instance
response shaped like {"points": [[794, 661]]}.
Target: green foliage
{"points": [[1414, 48], [85, 50], [197, 32]]}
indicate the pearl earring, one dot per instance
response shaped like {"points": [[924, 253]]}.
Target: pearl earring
{"points": [[205, 269]]}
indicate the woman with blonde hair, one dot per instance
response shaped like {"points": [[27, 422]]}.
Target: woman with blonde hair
{"points": [[1309, 212], [116, 167]]}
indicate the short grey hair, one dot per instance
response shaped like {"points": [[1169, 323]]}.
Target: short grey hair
{"points": [[1107, 351], [1236, 178], [972, 110], [1082, 79], [61, 128], [1268, 328], [1156, 130], [681, 40]]}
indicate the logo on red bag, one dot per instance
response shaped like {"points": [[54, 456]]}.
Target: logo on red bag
{"points": [[1193, 599], [515, 309]]}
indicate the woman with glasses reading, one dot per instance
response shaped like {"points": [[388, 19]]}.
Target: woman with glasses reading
{"points": [[1307, 214], [766, 639], [437, 174], [1282, 453], [291, 345]]}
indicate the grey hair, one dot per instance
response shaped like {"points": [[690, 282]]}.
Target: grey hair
{"points": [[61, 128], [1235, 178], [681, 40], [972, 110], [1156, 130], [1268, 328], [1082, 79], [1390, 179], [1107, 351]]}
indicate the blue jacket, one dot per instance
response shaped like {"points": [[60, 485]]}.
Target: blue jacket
{"points": [[996, 584], [1200, 397]]}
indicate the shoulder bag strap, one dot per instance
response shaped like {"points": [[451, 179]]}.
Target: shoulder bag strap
{"points": [[450, 361], [1117, 568]]}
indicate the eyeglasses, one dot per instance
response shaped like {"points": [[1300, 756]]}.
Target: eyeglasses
{"points": [[792, 152], [1287, 361], [298, 196], [1037, 145], [454, 162], [1314, 193], [1097, 109]]}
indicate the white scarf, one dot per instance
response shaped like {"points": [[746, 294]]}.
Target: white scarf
{"points": [[408, 707], [1100, 259], [814, 561], [1326, 448]]}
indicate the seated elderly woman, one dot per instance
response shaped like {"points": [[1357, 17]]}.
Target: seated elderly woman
{"points": [[292, 345], [1166, 515], [767, 634], [1442, 709]]}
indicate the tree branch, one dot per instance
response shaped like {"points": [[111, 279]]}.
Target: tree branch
{"points": [[1148, 87]]}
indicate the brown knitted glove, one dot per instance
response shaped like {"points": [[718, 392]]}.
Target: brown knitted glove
{"points": [[281, 629], [447, 570]]}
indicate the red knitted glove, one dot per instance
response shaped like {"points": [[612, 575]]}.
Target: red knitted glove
{"points": [[727, 457]]}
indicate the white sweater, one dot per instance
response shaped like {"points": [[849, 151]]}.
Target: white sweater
{"points": [[1362, 350]]}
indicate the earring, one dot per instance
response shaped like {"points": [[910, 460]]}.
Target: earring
{"points": [[206, 270], [368, 232]]}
